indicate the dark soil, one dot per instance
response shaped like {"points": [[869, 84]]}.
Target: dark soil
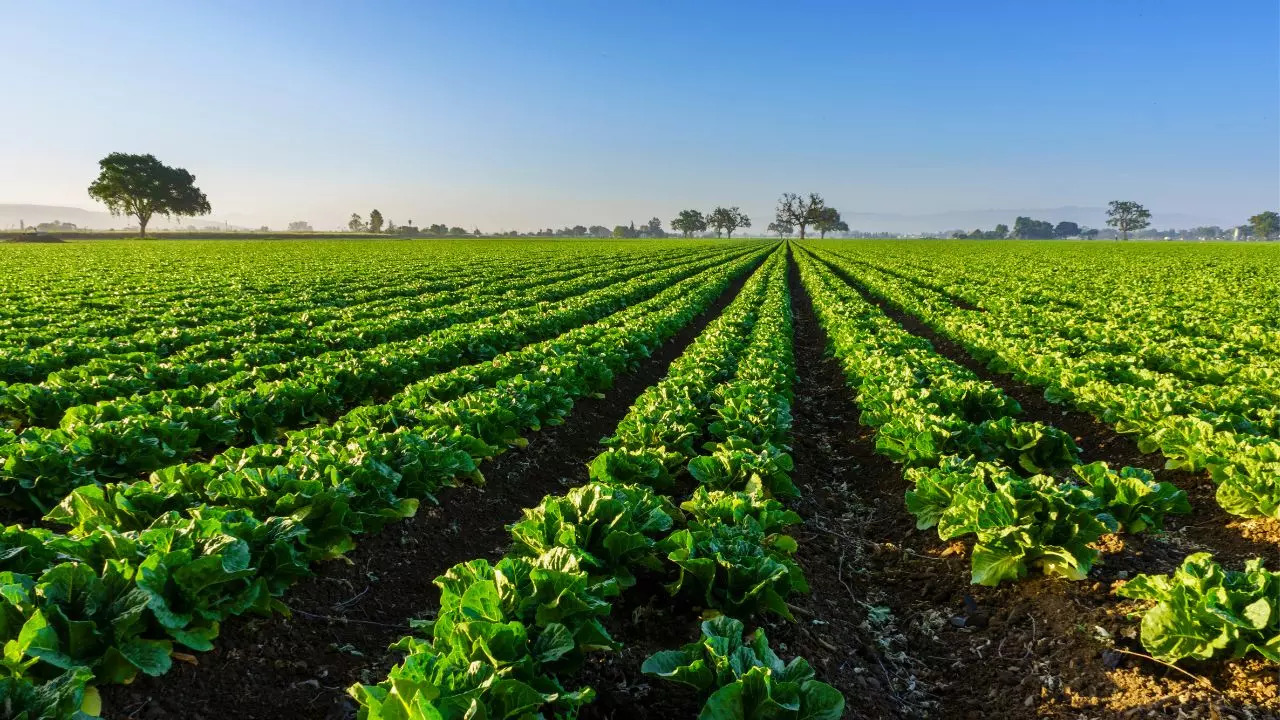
{"points": [[644, 620], [1049, 647], [344, 618]]}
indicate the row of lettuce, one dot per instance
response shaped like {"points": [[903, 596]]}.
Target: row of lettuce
{"points": [[149, 568], [1133, 301], [1018, 488], [1217, 410], [278, 338], [212, 309], [251, 336], [510, 636], [127, 437]]}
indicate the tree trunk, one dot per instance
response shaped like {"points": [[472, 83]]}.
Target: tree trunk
{"points": [[142, 224], [802, 232]]}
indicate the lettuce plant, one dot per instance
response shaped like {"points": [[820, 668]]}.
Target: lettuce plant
{"points": [[735, 568], [1018, 522], [611, 529], [738, 464], [705, 506], [744, 679], [1132, 496], [1203, 610], [66, 696]]}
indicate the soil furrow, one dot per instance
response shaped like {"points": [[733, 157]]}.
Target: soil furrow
{"points": [[345, 617]]}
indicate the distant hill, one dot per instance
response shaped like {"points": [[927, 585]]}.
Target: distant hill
{"points": [[12, 214]]}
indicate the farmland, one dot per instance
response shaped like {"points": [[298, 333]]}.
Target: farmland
{"points": [[385, 479]]}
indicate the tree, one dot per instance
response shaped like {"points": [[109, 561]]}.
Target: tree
{"points": [[1024, 228], [598, 231], [1089, 233], [783, 229], [622, 231], [1066, 229], [579, 230], [1001, 232], [689, 222], [300, 226], [375, 221], [800, 212], [727, 220], [828, 220], [455, 230], [355, 224], [1265, 224], [141, 186], [653, 229], [1127, 216]]}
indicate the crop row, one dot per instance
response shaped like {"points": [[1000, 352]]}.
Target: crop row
{"points": [[509, 635], [120, 439], [240, 363], [267, 334], [1120, 338], [149, 565], [84, 315], [120, 284], [935, 417], [1231, 433], [1225, 312]]}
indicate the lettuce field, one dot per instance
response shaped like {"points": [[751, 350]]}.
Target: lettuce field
{"points": [[727, 480]]}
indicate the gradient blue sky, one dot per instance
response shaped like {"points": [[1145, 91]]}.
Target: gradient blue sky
{"points": [[525, 114]]}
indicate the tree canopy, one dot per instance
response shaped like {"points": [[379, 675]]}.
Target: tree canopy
{"points": [[783, 229], [828, 220], [689, 222], [1265, 224], [1024, 228], [727, 220], [800, 212], [1066, 229], [1127, 216], [141, 186]]}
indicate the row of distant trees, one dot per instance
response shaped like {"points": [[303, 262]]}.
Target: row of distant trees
{"points": [[793, 211], [142, 187], [377, 224], [1126, 217]]}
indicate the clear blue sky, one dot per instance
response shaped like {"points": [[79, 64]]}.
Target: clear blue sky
{"points": [[534, 113]]}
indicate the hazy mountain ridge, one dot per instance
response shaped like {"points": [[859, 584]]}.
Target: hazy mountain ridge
{"points": [[30, 214]]}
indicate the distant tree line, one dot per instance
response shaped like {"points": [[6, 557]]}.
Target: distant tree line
{"points": [[140, 186]]}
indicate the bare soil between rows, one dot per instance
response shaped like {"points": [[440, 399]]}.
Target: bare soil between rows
{"points": [[1050, 647], [345, 617]]}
